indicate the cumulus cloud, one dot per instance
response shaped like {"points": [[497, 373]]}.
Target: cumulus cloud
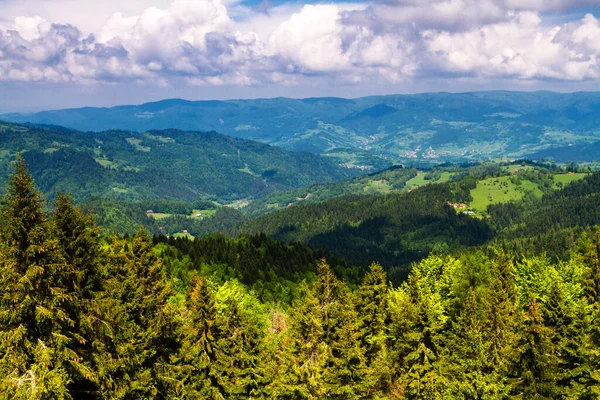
{"points": [[201, 43], [521, 48]]}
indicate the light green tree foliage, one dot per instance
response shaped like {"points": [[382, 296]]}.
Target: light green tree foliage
{"points": [[324, 357], [418, 317], [535, 362], [587, 256]]}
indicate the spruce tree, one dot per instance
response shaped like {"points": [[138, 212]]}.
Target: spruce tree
{"points": [[324, 357], [239, 361], [464, 358], [535, 361], [38, 352], [589, 256], [417, 337], [79, 244], [304, 353], [371, 302], [143, 331], [198, 354]]}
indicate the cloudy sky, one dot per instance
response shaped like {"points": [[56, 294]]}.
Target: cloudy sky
{"points": [[67, 53]]}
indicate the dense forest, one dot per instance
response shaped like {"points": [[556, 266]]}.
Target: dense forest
{"points": [[397, 216], [90, 315], [155, 165]]}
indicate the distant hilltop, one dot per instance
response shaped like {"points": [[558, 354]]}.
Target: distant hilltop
{"points": [[428, 127]]}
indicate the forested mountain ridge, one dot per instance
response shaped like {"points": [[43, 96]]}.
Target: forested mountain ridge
{"points": [[428, 127], [87, 316], [166, 164], [397, 216]]}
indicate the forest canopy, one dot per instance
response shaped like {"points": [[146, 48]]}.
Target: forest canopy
{"points": [[87, 315]]}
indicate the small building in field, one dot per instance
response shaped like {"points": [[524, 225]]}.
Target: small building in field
{"points": [[149, 212]]}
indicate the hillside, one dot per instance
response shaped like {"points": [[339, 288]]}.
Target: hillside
{"points": [[168, 164], [424, 128]]}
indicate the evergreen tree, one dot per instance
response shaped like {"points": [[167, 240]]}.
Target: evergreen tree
{"points": [[465, 359], [38, 352], [417, 333], [199, 344], [567, 318], [79, 244], [304, 353], [371, 301], [536, 362], [589, 255], [144, 326], [325, 358], [239, 360]]}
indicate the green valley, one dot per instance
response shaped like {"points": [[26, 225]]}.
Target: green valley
{"points": [[175, 165]]}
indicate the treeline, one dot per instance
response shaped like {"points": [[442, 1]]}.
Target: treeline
{"points": [[84, 316], [271, 269]]}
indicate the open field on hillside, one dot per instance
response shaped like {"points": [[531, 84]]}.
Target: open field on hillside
{"points": [[500, 190]]}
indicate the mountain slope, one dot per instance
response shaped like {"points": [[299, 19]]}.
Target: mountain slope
{"points": [[167, 164], [430, 127]]}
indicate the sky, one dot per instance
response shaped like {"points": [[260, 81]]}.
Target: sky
{"points": [[72, 53]]}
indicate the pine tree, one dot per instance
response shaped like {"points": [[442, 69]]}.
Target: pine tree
{"points": [[143, 332], [324, 357], [37, 343], [79, 240], [372, 309], [464, 359], [79, 244], [567, 317], [239, 360], [304, 352], [345, 368], [417, 342], [535, 363], [589, 255], [199, 350]]}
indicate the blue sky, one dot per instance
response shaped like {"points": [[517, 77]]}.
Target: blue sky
{"points": [[70, 53]]}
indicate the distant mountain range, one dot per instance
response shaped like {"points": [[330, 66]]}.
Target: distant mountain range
{"points": [[430, 127], [167, 164]]}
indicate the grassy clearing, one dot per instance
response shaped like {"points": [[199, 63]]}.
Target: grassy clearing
{"points": [[500, 190], [420, 180], [105, 163], [516, 167], [159, 216], [417, 181], [379, 186], [203, 213], [183, 235], [238, 204], [137, 143], [445, 177], [247, 170], [561, 180]]}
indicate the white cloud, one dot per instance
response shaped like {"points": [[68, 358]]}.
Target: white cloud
{"points": [[521, 48], [202, 43]]}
